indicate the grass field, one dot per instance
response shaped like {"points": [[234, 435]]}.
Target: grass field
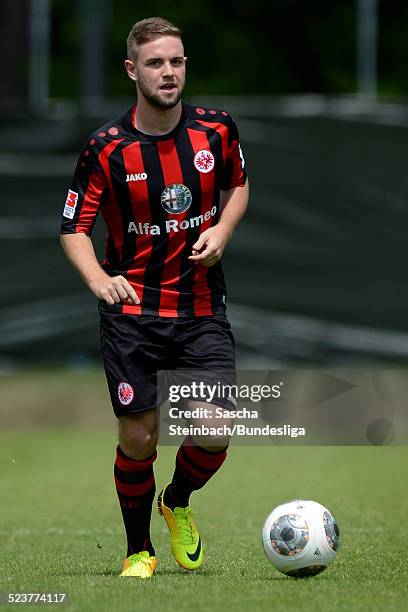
{"points": [[60, 528]]}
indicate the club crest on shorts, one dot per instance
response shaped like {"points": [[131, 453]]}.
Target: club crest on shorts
{"points": [[176, 198], [125, 393], [204, 161]]}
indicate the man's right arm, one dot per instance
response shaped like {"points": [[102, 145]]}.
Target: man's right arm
{"points": [[80, 251]]}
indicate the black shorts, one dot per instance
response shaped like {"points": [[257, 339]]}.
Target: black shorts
{"points": [[135, 348]]}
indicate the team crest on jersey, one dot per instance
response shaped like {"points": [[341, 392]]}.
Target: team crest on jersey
{"points": [[176, 198], [70, 204], [125, 393], [204, 161]]}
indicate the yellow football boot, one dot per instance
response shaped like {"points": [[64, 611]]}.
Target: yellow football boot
{"points": [[186, 545], [141, 565]]}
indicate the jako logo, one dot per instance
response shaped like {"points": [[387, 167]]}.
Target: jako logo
{"points": [[142, 176]]}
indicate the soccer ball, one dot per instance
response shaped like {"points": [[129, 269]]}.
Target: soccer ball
{"points": [[300, 538]]}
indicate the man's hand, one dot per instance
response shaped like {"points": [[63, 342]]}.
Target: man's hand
{"points": [[210, 246], [113, 289]]}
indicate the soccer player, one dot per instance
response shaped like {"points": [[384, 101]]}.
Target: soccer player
{"points": [[169, 179]]}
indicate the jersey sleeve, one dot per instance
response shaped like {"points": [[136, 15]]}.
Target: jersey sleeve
{"points": [[84, 196], [234, 172]]}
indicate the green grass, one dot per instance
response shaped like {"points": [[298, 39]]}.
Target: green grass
{"points": [[60, 527]]}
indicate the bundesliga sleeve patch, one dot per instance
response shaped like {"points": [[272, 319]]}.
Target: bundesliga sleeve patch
{"points": [[70, 204]]}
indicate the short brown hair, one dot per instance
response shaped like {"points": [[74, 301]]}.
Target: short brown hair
{"points": [[148, 29]]}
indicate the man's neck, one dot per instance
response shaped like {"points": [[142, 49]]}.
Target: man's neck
{"points": [[154, 121]]}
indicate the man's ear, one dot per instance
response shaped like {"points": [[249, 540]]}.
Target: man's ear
{"points": [[131, 69]]}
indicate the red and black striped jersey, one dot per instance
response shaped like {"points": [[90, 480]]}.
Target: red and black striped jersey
{"points": [[157, 194]]}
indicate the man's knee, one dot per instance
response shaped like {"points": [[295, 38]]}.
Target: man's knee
{"points": [[138, 434], [212, 431]]}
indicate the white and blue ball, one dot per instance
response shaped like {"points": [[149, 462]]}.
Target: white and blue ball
{"points": [[301, 538]]}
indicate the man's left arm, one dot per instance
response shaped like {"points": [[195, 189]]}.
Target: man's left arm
{"points": [[210, 246]]}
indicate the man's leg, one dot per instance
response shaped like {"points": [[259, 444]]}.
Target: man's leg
{"points": [[197, 461], [205, 354], [133, 349], [134, 478]]}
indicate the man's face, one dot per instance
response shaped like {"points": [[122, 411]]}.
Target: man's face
{"points": [[159, 71]]}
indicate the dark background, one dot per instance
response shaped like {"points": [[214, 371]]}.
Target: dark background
{"points": [[316, 270], [235, 47]]}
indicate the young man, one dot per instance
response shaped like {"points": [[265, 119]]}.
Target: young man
{"points": [[169, 180]]}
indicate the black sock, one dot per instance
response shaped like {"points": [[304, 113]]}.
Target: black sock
{"points": [[135, 486], [194, 468]]}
